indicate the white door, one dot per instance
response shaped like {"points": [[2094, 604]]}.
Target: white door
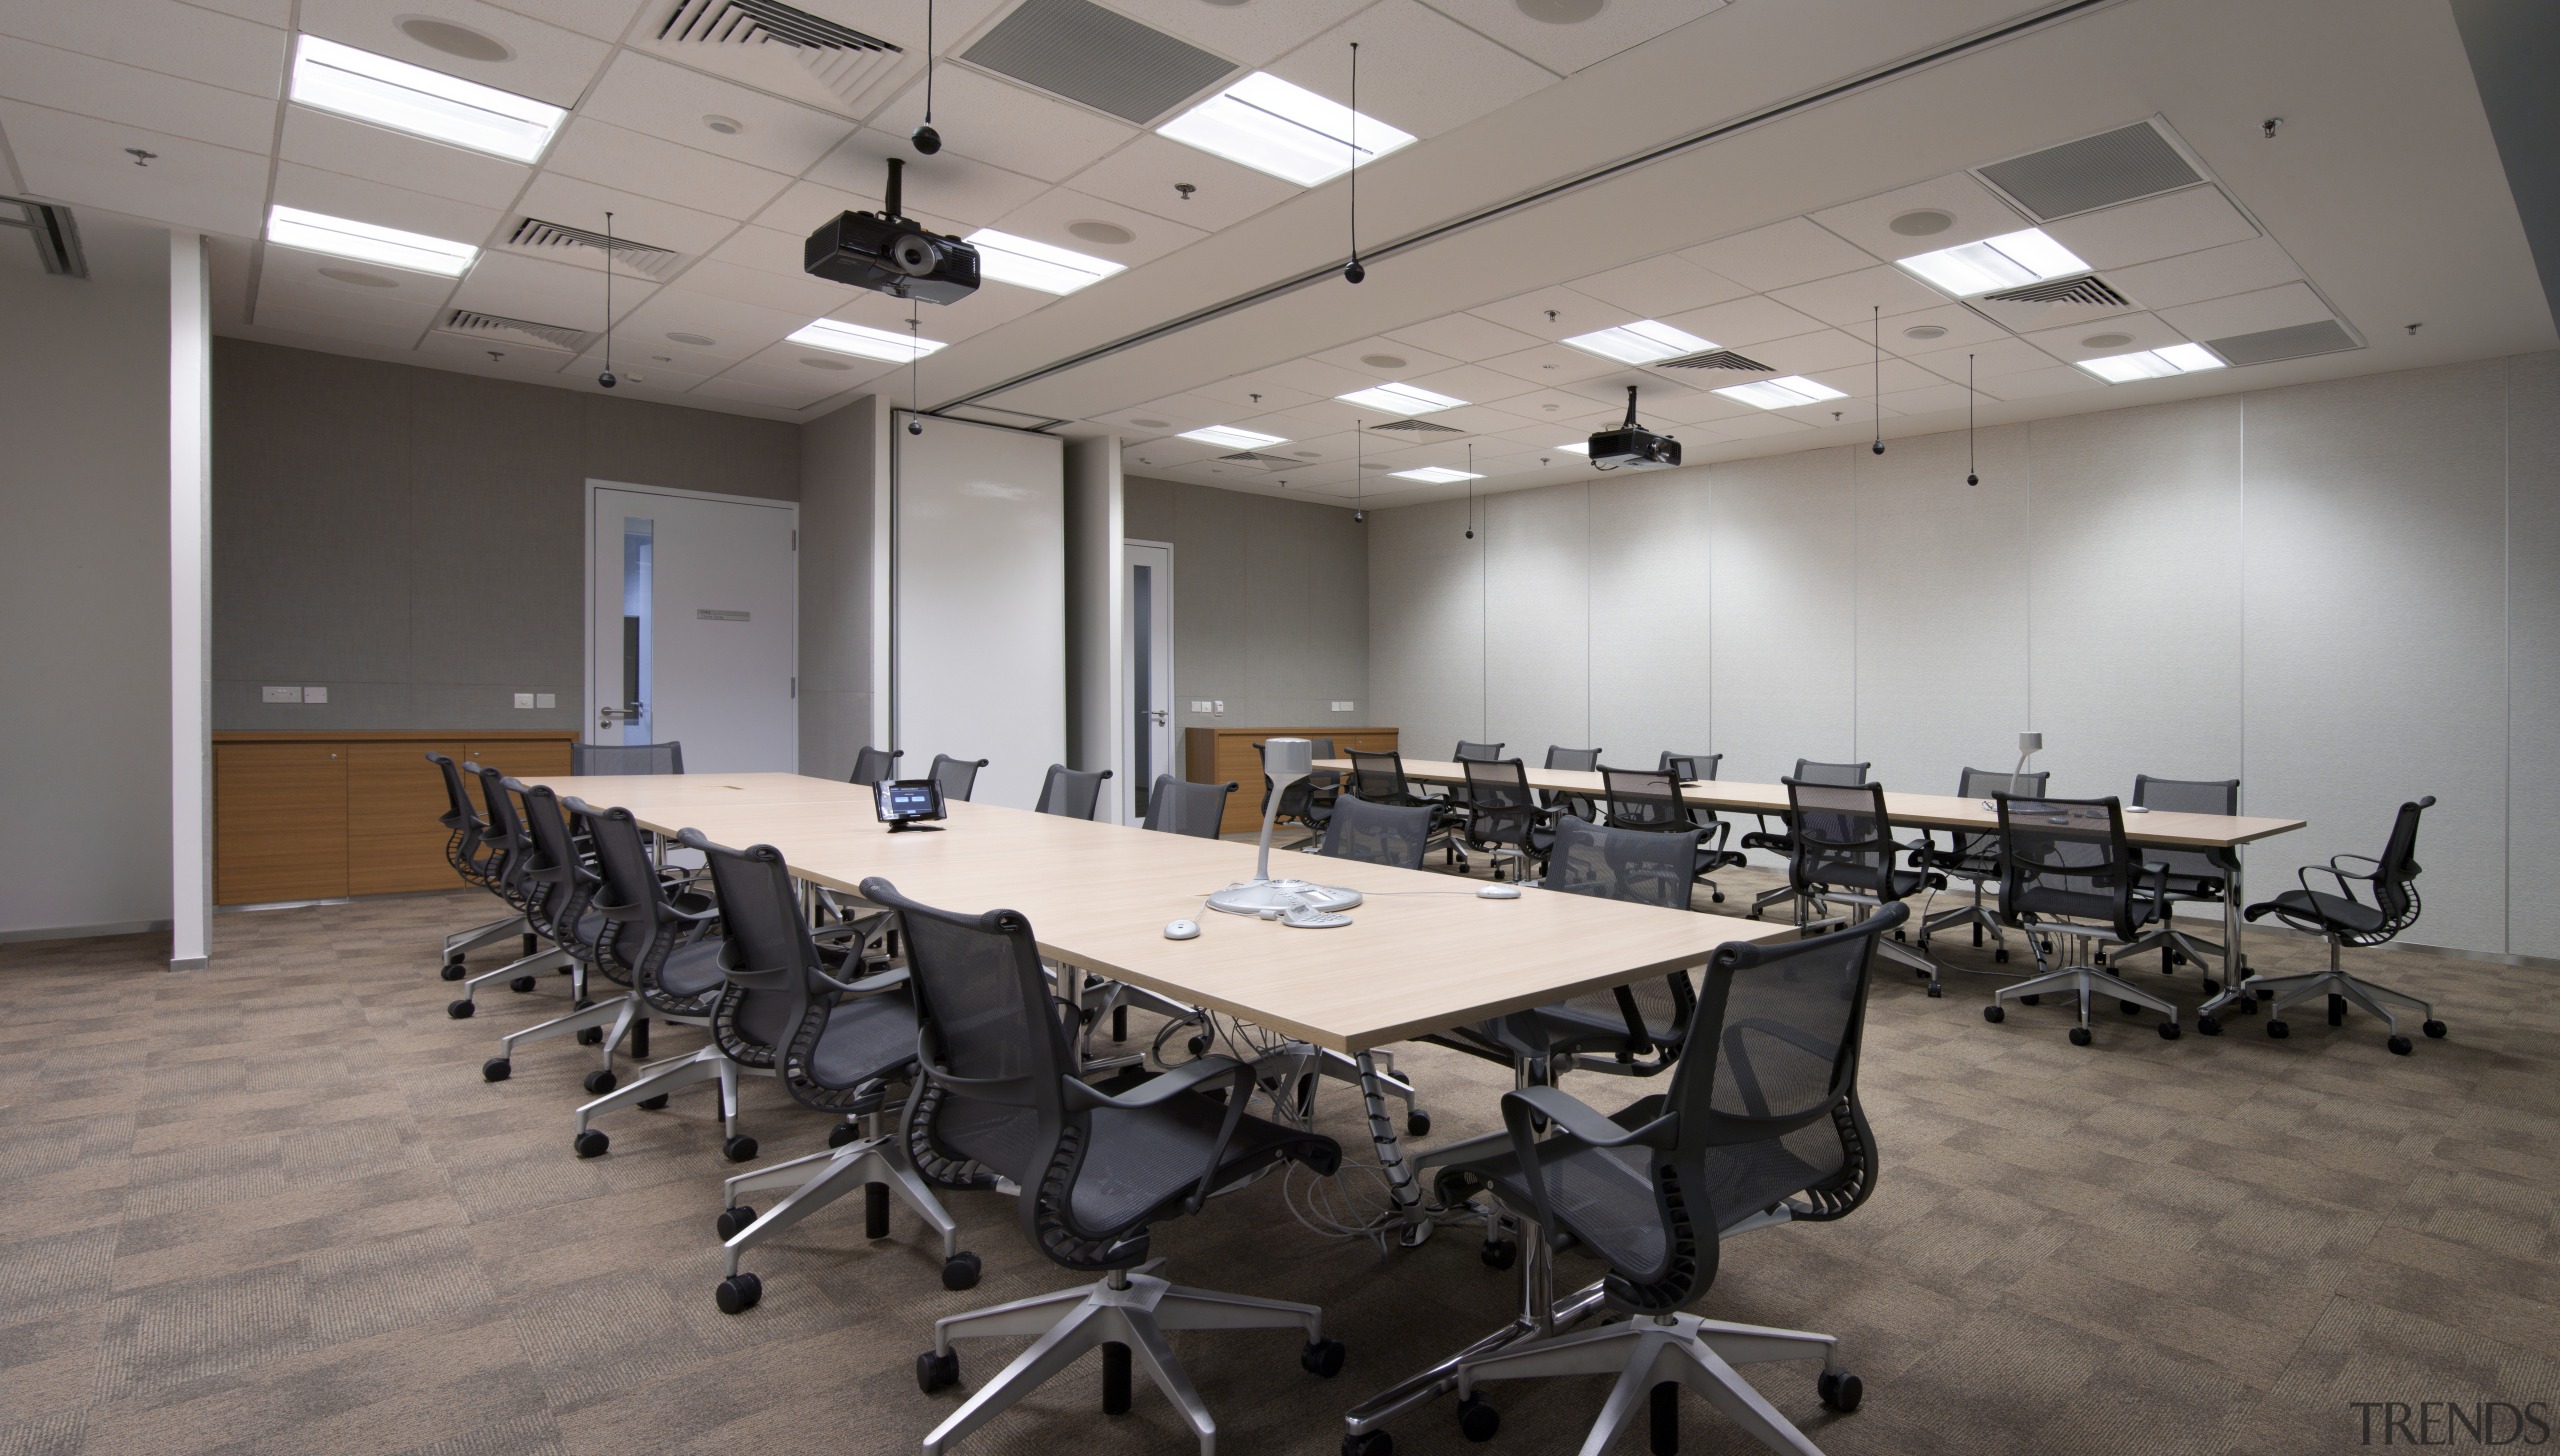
{"points": [[1150, 600], [693, 626]]}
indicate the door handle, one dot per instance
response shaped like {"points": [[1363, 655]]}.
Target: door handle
{"points": [[1158, 716]]}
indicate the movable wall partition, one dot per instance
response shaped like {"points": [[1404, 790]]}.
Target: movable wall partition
{"points": [[2345, 594]]}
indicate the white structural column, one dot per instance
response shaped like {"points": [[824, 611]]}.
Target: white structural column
{"points": [[190, 632], [1097, 622]]}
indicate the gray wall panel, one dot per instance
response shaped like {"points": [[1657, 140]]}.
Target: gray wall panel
{"points": [[1426, 624], [1537, 569], [1785, 627], [2533, 658], [841, 467], [1650, 648]]}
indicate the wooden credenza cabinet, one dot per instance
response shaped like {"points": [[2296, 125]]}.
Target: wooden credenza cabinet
{"points": [[317, 815], [1225, 755]]}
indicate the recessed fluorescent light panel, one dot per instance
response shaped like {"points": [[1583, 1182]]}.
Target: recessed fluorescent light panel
{"points": [[1435, 475], [2153, 363], [328, 76], [1400, 399], [317, 232], [1577, 447], [864, 342], [1641, 342], [1787, 393], [2011, 260], [1287, 131], [1233, 438], [1008, 259]]}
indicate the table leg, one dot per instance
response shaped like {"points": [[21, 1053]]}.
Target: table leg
{"points": [[2235, 968]]}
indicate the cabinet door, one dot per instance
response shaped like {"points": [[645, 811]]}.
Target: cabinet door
{"points": [[394, 800], [521, 758], [280, 822]]}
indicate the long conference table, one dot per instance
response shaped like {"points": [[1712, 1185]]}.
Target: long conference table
{"points": [[1423, 951]]}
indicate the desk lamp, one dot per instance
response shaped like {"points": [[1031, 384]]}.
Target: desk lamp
{"points": [[1284, 762]]}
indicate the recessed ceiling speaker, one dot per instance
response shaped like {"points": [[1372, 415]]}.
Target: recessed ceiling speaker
{"points": [[452, 39], [1561, 12], [1109, 234], [2106, 341], [359, 278], [1927, 222], [699, 341], [1382, 361], [1925, 331], [725, 125]]}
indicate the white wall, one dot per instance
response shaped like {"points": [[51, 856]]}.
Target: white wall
{"points": [[84, 585], [844, 582], [2344, 594]]}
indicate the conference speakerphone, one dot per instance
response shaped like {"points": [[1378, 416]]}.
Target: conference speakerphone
{"points": [[903, 804]]}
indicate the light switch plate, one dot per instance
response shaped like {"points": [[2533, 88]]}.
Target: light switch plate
{"points": [[546, 700], [1341, 707], [279, 695], [1219, 707], [315, 695], [524, 700], [1200, 705]]}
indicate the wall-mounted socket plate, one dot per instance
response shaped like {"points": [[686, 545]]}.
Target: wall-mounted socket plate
{"points": [[1201, 705], [546, 700], [1340, 706], [524, 700], [315, 695], [279, 695]]}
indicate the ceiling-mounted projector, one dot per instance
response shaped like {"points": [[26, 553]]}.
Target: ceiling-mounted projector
{"points": [[1632, 448], [886, 253]]}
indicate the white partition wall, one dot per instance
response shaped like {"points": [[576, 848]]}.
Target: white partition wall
{"points": [[978, 659]]}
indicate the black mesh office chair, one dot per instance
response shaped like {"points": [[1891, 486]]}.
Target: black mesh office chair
{"points": [[1775, 838], [475, 860], [1480, 752], [956, 777], [1071, 793], [1000, 1099], [1385, 834], [562, 910], [1713, 831], [1974, 857], [871, 765], [2196, 876], [1649, 800], [1846, 854], [2342, 920], [2067, 876], [1504, 820], [840, 1038], [1177, 807], [1572, 760], [510, 878], [587, 759], [1379, 778], [1760, 1125]]}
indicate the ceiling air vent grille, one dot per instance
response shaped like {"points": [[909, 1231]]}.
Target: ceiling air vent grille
{"points": [[1416, 427], [2093, 172], [2087, 291], [1717, 359], [843, 59], [57, 240], [1096, 57], [1256, 460], [522, 331], [2300, 341], [533, 232]]}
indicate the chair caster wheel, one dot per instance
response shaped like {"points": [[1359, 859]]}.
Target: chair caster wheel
{"points": [[1369, 1443], [960, 1271], [600, 1081], [2434, 1029], [496, 1069], [2001, 955], [1898, 935], [2168, 1031], [2079, 1036], [2248, 1005], [937, 1372], [1417, 1123], [738, 1149], [460, 1010], [2337, 1011], [2400, 1045], [2208, 1026], [2128, 1007], [1719, 897], [1322, 1358], [522, 984], [452, 971], [1478, 1421], [1994, 1014], [652, 1104], [591, 1144], [1936, 990], [1500, 1254], [1198, 1046], [2033, 998], [842, 1133], [2211, 986], [1841, 1391], [2278, 1031], [739, 1293], [732, 1220], [591, 1036]]}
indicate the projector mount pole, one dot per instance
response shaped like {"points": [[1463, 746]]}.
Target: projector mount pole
{"points": [[894, 205]]}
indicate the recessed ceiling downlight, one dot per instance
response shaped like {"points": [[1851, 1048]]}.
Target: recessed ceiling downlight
{"points": [[1925, 332], [725, 125], [452, 39], [1383, 361], [2106, 341], [1561, 12], [1924, 223], [1094, 230], [699, 341], [359, 278]]}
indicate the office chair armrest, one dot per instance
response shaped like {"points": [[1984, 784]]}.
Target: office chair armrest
{"points": [[2336, 860], [1582, 1125], [1083, 1096], [2345, 890]]}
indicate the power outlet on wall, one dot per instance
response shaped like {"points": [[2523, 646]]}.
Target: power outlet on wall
{"points": [[524, 700], [546, 700], [1341, 706], [1201, 705], [279, 695], [315, 695]]}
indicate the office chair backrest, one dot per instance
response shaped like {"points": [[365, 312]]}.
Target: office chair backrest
{"points": [[1810, 772], [871, 765], [957, 777], [1578, 760], [1645, 799], [1982, 783], [1483, 752], [2189, 796], [1378, 777], [505, 833], [766, 954], [642, 923], [626, 758], [2392, 890], [1623, 864], [1176, 807], [1501, 808], [2067, 857], [562, 886], [1386, 834], [1841, 836], [1070, 793], [1693, 768], [458, 813]]}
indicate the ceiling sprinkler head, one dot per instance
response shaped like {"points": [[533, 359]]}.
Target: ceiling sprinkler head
{"points": [[1186, 189]]}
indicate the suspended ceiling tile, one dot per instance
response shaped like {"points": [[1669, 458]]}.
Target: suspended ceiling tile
{"points": [[1695, 410], [2279, 307], [1250, 35], [1550, 365], [2038, 383], [1659, 287], [1148, 173], [1784, 253], [734, 329], [1992, 359], [128, 95], [1928, 399], [1806, 353], [278, 13], [464, 351], [2185, 221], [669, 368], [575, 202], [1385, 359], [370, 306], [943, 186], [533, 288], [796, 362], [1760, 423], [991, 305], [1322, 380], [336, 326], [353, 149], [1744, 322], [362, 200], [1845, 300], [667, 101], [781, 393], [190, 184], [548, 63], [2121, 334], [1973, 212], [648, 166], [1005, 125], [1242, 390], [809, 297], [805, 206], [1575, 313], [603, 19], [176, 40], [1427, 74], [1053, 216], [2234, 268], [1471, 382], [1569, 46], [1955, 324], [1463, 336]]}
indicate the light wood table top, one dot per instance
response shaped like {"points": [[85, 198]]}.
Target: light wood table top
{"points": [[1423, 953], [1929, 811]]}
